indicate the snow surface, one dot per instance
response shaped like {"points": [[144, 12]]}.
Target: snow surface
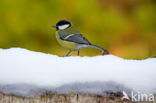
{"points": [[25, 72]]}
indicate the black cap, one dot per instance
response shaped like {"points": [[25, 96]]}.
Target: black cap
{"points": [[60, 23], [63, 22]]}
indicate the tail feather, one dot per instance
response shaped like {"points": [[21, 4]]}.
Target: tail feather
{"points": [[97, 47]]}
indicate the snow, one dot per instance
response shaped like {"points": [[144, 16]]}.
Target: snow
{"points": [[25, 72]]}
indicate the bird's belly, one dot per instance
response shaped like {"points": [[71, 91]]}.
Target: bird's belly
{"points": [[68, 45]]}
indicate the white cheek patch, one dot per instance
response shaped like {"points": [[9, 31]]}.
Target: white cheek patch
{"points": [[63, 26]]}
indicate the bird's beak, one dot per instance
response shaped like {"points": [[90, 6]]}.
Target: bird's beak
{"points": [[54, 26]]}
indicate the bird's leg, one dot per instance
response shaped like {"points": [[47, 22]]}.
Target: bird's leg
{"points": [[68, 53], [78, 52]]}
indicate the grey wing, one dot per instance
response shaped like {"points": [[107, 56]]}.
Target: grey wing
{"points": [[77, 38]]}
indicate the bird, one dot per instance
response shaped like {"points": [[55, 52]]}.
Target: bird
{"points": [[70, 38]]}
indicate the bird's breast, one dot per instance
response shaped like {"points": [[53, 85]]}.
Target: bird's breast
{"points": [[66, 44]]}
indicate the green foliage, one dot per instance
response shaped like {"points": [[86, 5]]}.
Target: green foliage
{"points": [[126, 28]]}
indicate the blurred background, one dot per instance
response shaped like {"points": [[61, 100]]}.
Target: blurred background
{"points": [[127, 28]]}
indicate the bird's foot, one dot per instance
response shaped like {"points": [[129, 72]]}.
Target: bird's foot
{"points": [[66, 56]]}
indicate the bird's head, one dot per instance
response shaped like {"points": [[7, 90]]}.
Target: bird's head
{"points": [[62, 24]]}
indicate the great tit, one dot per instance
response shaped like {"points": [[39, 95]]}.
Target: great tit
{"points": [[69, 37]]}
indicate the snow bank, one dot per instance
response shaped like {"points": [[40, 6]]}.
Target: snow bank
{"points": [[67, 74]]}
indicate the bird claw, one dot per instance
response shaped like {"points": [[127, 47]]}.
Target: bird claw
{"points": [[66, 56]]}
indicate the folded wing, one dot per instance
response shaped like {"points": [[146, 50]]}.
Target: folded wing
{"points": [[77, 38]]}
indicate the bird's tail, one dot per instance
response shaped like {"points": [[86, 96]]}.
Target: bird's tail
{"points": [[97, 47]]}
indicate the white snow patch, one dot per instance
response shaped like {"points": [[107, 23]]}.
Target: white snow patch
{"points": [[21, 66]]}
